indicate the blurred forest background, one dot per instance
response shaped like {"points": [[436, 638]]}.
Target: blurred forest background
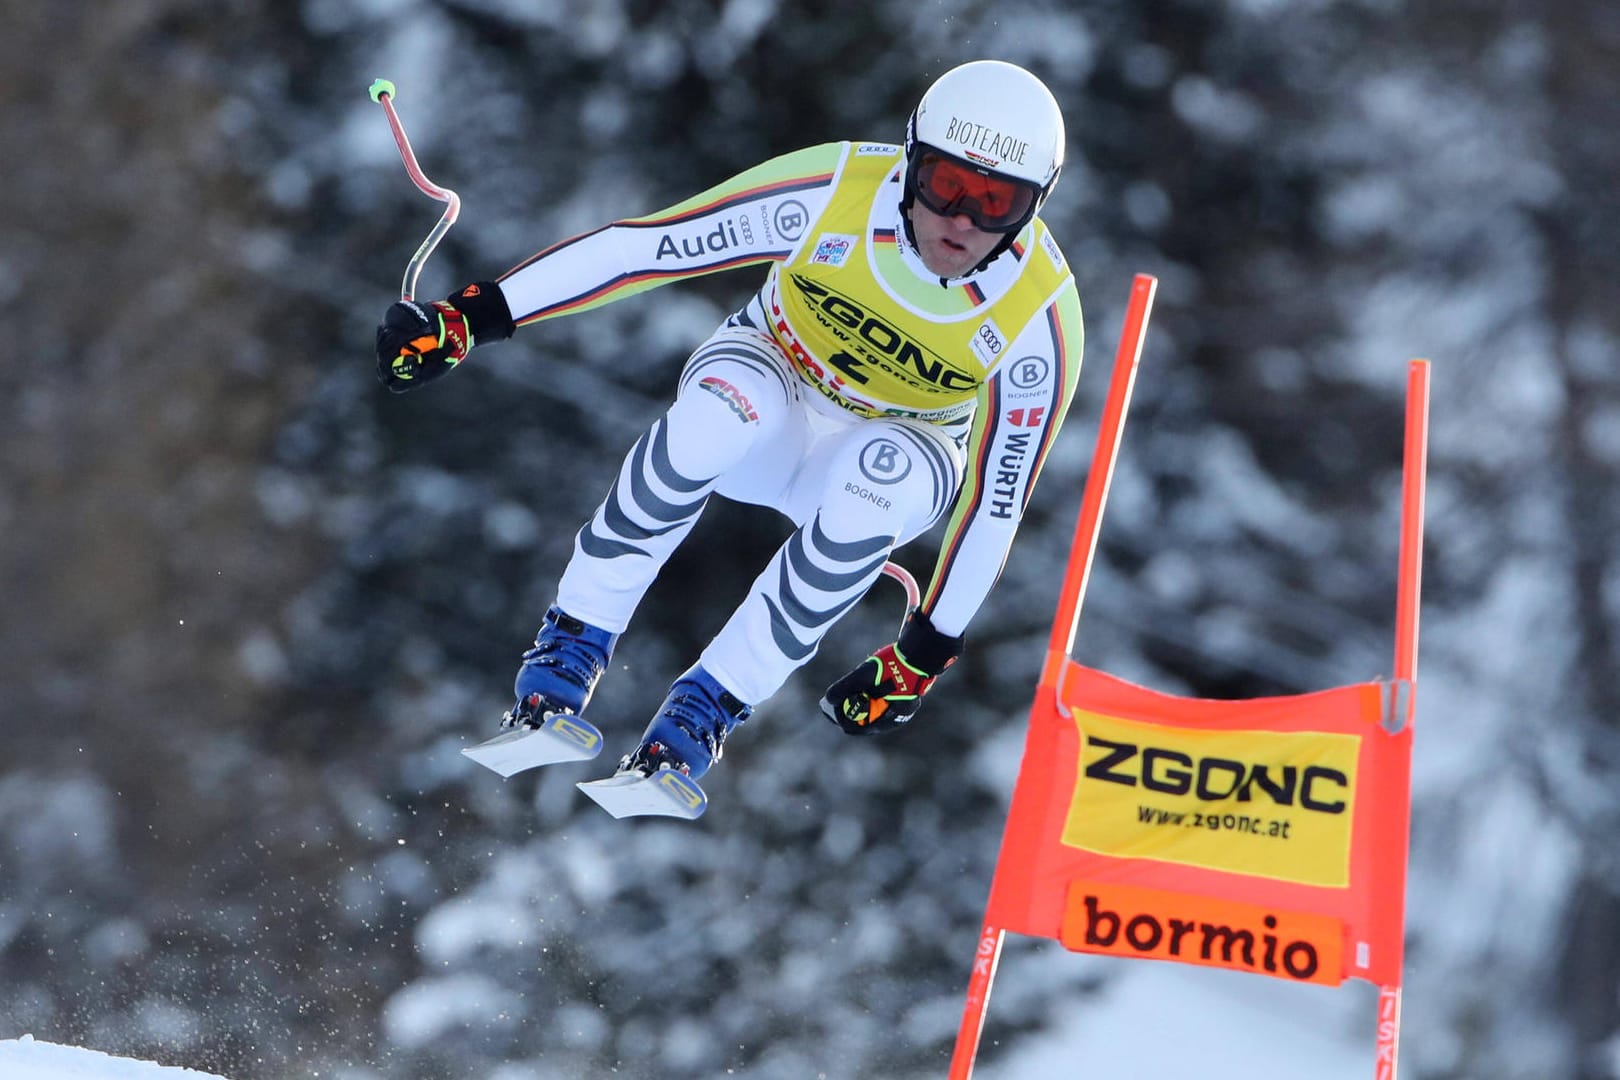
{"points": [[253, 605]]}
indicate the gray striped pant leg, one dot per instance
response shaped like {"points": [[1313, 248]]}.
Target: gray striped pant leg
{"points": [[730, 397], [887, 484]]}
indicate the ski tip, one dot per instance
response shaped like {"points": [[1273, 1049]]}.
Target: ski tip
{"points": [[666, 793], [379, 87], [563, 737]]}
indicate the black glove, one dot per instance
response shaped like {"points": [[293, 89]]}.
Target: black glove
{"points": [[419, 342], [887, 688]]}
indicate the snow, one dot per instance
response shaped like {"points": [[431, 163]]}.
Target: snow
{"points": [[1190, 1022], [26, 1058], [1182, 1020], [431, 1008]]}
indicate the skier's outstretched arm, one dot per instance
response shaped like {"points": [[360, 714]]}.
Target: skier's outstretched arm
{"points": [[735, 223]]}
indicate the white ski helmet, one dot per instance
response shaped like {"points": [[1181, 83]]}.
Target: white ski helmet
{"points": [[995, 117]]}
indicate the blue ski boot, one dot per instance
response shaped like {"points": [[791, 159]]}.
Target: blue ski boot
{"points": [[552, 688], [690, 728], [560, 672]]}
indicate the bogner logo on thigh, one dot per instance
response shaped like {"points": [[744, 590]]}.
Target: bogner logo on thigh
{"points": [[884, 461], [868, 494]]}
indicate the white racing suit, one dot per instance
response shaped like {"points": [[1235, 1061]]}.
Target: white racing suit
{"points": [[856, 393]]}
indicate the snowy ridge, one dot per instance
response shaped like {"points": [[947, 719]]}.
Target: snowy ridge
{"points": [[27, 1059]]}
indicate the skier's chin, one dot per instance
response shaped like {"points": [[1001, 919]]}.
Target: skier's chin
{"points": [[949, 258]]}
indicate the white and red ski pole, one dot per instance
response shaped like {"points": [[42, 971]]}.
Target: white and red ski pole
{"points": [[907, 582], [382, 92]]}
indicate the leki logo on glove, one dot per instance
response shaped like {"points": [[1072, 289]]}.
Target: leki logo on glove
{"points": [[454, 333]]}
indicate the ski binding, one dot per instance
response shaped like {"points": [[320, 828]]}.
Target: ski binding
{"points": [[665, 793], [560, 737]]}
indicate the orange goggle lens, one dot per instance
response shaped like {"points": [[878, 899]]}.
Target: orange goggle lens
{"points": [[949, 187]]}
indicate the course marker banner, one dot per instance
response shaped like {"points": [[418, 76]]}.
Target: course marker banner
{"points": [[1292, 804], [1131, 812]]}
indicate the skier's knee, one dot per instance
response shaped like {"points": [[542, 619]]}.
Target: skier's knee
{"points": [[742, 370], [731, 396]]}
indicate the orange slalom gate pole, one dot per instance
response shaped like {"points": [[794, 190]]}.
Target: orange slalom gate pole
{"points": [[1414, 473], [1110, 429]]}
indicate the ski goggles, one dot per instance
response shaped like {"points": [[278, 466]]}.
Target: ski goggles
{"points": [[949, 186]]}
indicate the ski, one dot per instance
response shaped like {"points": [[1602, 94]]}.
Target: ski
{"points": [[560, 737], [665, 793]]}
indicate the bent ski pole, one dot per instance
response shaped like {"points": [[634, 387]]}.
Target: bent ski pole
{"points": [[382, 92], [909, 583]]}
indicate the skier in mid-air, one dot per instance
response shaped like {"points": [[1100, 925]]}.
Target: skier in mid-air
{"points": [[915, 344]]}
